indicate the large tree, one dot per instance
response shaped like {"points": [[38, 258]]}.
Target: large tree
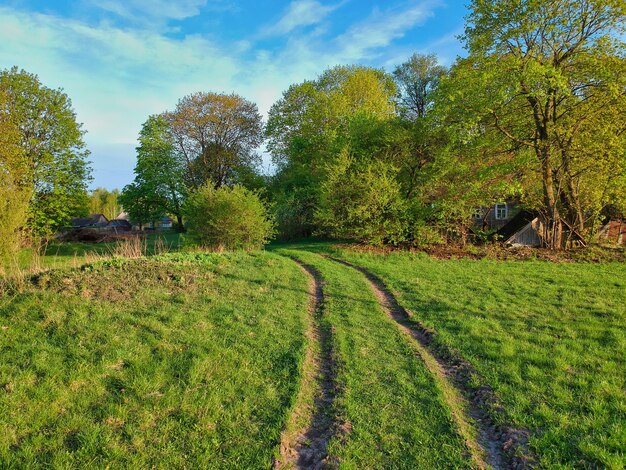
{"points": [[160, 171], [312, 124], [548, 77], [138, 203], [417, 80], [15, 190], [217, 135], [54, 149]]}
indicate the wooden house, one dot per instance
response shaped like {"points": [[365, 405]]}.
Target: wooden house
{"points": [[494, 217]]}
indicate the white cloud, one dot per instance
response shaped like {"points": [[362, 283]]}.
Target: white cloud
{"points": [[381, 28], [300, 13], [117, 77], [174, 9]]}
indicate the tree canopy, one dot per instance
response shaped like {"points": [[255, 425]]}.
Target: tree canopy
{"points": [[52, 141], [216, 135], [547, 78]]}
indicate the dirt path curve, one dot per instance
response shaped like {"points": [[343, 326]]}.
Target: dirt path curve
{"points": [[490, 446], [312, 421]]}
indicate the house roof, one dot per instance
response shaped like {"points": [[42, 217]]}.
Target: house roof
{"points": [[517, 223], [93, 219], [119, 223]]}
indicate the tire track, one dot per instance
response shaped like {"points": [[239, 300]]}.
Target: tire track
{"points": [[490, 445], [312, 422]]}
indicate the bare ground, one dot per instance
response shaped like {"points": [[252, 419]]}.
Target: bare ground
{"points": [[312, 421], [490, 445]]}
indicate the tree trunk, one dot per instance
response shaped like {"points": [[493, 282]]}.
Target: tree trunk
{"points": [[553, 216]]}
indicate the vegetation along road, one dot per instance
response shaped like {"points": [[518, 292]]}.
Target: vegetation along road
{"points": [[314, 356]]}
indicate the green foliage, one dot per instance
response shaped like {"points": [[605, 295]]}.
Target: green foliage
{"points": [[216, 136], [309, 126], [103, 201], [295, 213], [53, 147], [362, 202], [227, 217], [546, 78], [138, 202], [160, 175], [417, 80], [15, 192]]}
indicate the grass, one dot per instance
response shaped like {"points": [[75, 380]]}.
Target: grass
{"points": [[72, 255], [176, 361], [196, 360], [549, 338], [391, 412]]}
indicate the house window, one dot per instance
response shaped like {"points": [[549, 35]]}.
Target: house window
{"points": [[502, 211], [477, 213]]}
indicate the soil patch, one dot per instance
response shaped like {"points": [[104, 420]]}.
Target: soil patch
{"points": [[312, 422]]}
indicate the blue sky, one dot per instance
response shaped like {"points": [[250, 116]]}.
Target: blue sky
{"points": [[122, 60]]}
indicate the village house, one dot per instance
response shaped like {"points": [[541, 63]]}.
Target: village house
{"points": [[93, 221]]}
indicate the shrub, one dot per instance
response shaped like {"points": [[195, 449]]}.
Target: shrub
{"points": [[363, 203], [230, 218]]}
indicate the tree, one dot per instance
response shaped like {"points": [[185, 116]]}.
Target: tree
{"points": [[53, 146], [216, 135], [310, 126], [417, 79], [227, 217], [138, 203], [363, 202], [103, 201], [15, 191], [160, 172], [549, 77]]}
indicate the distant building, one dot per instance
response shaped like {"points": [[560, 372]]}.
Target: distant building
{"points": [[494, 217], [120, 225], [94, 220], [162, 223]]}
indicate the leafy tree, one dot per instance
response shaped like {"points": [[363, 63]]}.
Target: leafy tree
{"points": [[549, 78], [53, 146], [15, 191], [138, 203], [417, 79], [217, 136], [311, 124], [227, 217], [103, 201], [160, 172]]}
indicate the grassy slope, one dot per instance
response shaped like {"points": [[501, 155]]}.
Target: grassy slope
{"points": [[396, 416], [170, 362], [549, 338]]}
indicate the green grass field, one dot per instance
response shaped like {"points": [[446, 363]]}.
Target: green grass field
{"points": [[72, 255], [171, 362], [195, 360], [549, 338]]}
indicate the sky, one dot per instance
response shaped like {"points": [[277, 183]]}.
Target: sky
{"points": [[122, 60]]}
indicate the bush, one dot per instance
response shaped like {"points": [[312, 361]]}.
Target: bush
{"points": [[363, 203], [230, 218]]}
